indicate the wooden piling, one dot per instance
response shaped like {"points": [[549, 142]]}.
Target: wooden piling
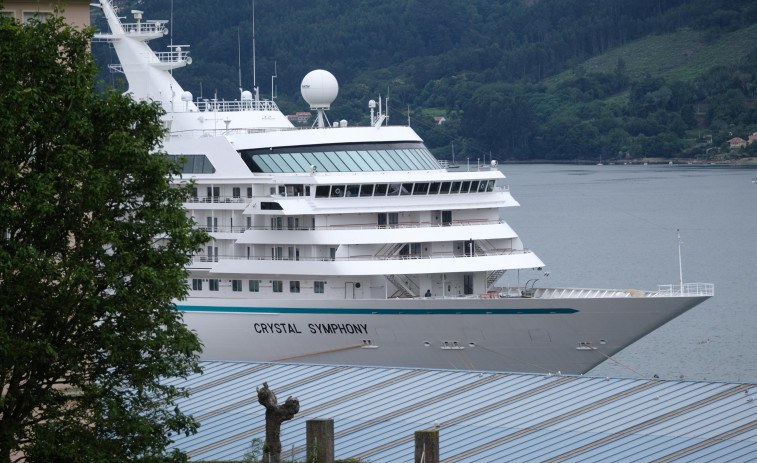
{"points": [[427, 446], [319, 435]]}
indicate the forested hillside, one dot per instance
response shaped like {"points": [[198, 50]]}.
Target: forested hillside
{"points": [[514, 79]]}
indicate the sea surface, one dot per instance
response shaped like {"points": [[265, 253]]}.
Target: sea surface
{"points": [[614, 226]]}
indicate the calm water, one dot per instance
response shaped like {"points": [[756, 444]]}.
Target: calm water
{"points": [[614, 226]]}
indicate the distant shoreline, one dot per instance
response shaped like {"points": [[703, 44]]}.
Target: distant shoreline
{"points": [[743, 162]]}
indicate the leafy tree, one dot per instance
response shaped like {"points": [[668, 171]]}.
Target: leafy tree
{"points": [[93, 241], [495, 106]]}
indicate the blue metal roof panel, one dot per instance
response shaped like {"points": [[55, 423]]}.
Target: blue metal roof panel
{"points": [[483, 416], [738, 452]]}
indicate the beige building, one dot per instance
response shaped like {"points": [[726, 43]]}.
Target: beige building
{"points": [[76, 11]]}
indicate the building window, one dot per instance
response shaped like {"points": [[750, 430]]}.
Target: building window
{"points": [[236, 192], [40, 16], [249, 192], [366, 190], [236, 285], [446, 218], [196, 284], [319, 286], [278, 286], [322, 191], [388, 219], [212, 254], [294, 286], [214, 284], [467, 283], [415, 249], [254, 286]]}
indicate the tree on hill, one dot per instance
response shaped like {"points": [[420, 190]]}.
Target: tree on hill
{"points": [[93, 240]]}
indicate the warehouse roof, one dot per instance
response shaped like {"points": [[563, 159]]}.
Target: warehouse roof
{"points": [[481, 416]]}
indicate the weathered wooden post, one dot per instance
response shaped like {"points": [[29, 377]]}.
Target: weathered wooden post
{"points": [[275, 414], [319, 435], [427, 446]]}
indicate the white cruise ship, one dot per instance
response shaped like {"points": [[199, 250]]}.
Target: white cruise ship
{"points": [[355, 246]]}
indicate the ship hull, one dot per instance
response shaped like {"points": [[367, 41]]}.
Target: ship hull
{"points": [[569, 335]]}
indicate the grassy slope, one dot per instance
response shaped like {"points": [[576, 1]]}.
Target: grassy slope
{"points": [[682, 55]]}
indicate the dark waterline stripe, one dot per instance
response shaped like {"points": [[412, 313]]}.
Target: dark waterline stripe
{"points": [[354, 311]]}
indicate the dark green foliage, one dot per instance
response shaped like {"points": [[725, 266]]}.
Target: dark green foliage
{"points": [[93, 240], [448, 57]]}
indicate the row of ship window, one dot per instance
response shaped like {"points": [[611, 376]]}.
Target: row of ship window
{"points": [[364, 190], [253, 286], [404, 189], [347, 161]]}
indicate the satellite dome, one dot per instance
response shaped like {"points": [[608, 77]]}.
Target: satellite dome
{"points": [[186, 96], [247, 95], [319, 88]]}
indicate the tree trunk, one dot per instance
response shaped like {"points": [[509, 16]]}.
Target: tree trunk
{"points": [[275, 414]]}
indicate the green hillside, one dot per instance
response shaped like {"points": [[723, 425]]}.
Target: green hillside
{"points": [[681, 55], [514, 79]]}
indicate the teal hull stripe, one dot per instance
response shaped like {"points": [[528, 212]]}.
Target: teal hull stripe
{"points": [[353, 311]]}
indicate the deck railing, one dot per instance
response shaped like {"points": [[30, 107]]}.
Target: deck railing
{"points": [[365, 257], [688, 289], [242, 228]]}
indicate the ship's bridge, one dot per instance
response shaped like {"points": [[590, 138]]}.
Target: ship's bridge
{"points": [[345, 157]]}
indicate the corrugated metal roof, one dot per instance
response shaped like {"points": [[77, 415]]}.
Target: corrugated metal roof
{"points": [[481, 416]]}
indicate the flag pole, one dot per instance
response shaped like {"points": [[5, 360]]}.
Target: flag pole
{"points": [[680, 266]]}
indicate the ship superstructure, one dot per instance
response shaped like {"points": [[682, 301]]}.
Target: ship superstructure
{"points": [[354, 245]]}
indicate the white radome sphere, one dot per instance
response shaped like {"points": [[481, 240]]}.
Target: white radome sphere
{"points": [[319, 88]]}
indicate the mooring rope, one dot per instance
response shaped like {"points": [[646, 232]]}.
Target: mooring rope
{"points": [[318, 353], [624, 366]]}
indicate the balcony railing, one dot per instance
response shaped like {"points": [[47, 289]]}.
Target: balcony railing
{"points": [[407, 225], [218, 199], [147, 27], [365, 257], [688, 289]]}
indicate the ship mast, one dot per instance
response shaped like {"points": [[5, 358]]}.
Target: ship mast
{"points": [[254, 71]]}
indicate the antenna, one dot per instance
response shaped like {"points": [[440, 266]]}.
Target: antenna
{"points": [[171, 46], [254, 72], [680, 266], [386, 106], [239, 59], [275, 75]]}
